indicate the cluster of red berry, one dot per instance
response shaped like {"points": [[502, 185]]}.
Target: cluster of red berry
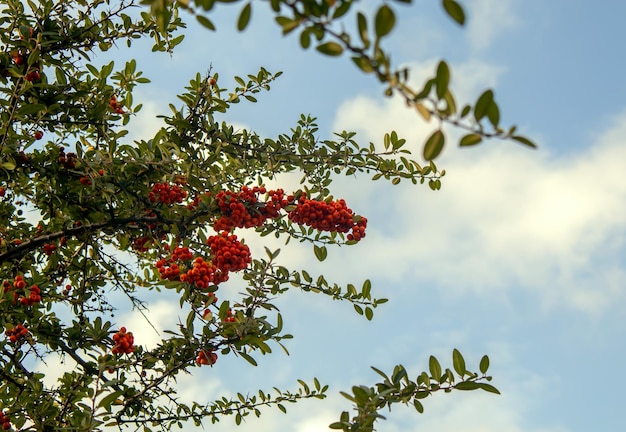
{"points": [[328, 216], [230, 318], [5, 421], [49, 248], [116, 106], [203, 274], [243, 209], [123, 342], [16, 333], [68, 161], [18, 287], [206, 357], [229, 253], [166, 194], [168, 268], [140, 243]]}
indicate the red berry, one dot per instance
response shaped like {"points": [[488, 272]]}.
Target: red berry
{"points": [[33, 76], [38, 135]]}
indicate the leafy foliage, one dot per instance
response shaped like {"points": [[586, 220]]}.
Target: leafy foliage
{"points": [[86, 213]]}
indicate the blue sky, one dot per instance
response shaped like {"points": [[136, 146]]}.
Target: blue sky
{"points": [[520, 256]]}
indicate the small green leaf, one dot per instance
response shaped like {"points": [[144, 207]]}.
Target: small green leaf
{"points": [[384, 21], [458, 362], [363, 64], [489, 388], [305, 39], [467, 385], [484, 364], [320, 252], [435, 368], [482, 104], [418, 406], [362, 25], [443, 79], [470, 140], [287, 24], [434, 145], [248, 358], [493, 114], [524, 141], [330, 49], [244, 17], [369, 313], [205, 22], [455, 11]]}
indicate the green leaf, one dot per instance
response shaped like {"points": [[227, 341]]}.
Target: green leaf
{"points": [[493, 114], [482, 104], [434, 145], [305, 39], [435, 368], [287, 24], [384, 21], [418, 406], [442, 79], [455, 11], [320, 252], [205, 22], [363, 64], [470, 140], [467, 385], [489, 388], [484, 364], [244, 17], [362, 26], [524, 141], [248, 358], [330, 49], [458, 362], [369, 313]]}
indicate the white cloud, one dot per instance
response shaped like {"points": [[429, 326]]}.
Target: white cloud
{"points": [[506, 217], [488, 19]]}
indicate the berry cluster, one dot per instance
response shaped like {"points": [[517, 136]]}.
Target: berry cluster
{"points": [[49, 248], [328, 216], [206, 358], [168, 268], [140, 243], [18, 287], [116, 106], [202, 274], [5, 421], [243, 209], [67, 161], [123, 342], [16, 333], [229, 253], [166, 194], [33, 75], [230, 318]]}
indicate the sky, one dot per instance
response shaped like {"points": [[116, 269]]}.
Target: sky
{"points": [[521, 255]]}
